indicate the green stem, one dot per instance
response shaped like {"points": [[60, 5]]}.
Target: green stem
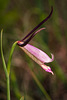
{"points": [[5, 70], [8, 88], [10, 57], [3, 60]]}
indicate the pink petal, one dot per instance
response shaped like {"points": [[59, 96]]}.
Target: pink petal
{"points": [[47, 68], [39, 54]]}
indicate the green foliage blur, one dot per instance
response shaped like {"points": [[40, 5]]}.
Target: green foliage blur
{"points": [[17, 18]]}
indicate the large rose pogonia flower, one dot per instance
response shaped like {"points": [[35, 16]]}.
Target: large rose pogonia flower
{"points": [[36, 54]]}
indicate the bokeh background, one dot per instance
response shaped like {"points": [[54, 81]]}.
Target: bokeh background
{"points": [[28, 79]]}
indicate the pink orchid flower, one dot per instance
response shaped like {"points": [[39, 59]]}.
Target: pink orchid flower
{"points": [[36, 54]]}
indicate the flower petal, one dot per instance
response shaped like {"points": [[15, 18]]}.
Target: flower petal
{"points": [[39, 54], [47, 68], [36, 55]]}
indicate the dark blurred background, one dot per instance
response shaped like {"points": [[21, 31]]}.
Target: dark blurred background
{"points": [[17, 18]]}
